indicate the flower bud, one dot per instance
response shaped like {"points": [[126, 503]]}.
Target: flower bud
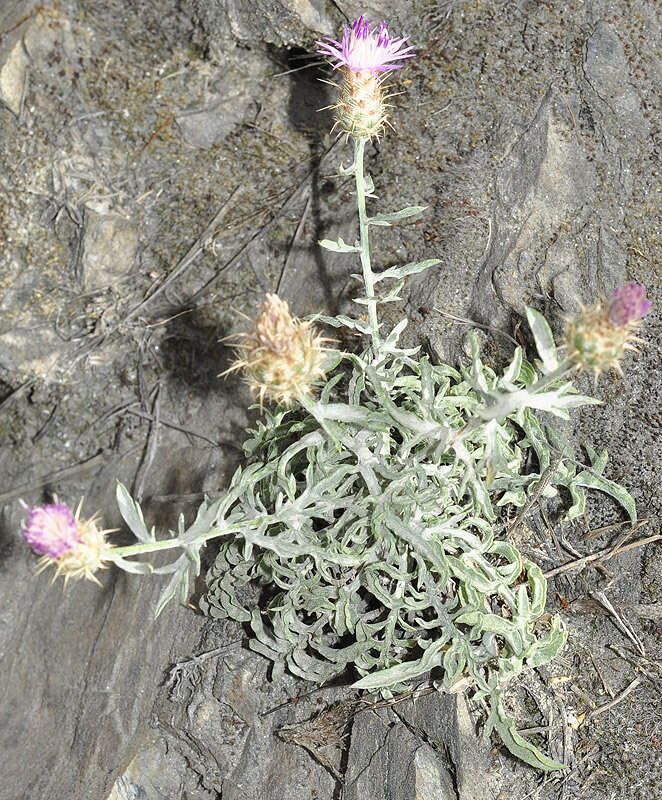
{"points": [[598, 337], [283, 355], [76, 548]]}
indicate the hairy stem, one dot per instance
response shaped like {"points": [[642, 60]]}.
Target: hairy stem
{"points": [[368, 277], [169, 544]]}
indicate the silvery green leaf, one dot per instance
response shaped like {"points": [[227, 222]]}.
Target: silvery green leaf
{"points": [[205, 520], [515, 497], [558, 402], [179, 581], [407, 269], [136, 567], [132, 514], [330, 360], [527, 374], [535, 436], [394, 335], [518, 745], [487, 622], [342, 321], [369, 186], [544, 339], [404, 672], [578, 507], [332, 382], [598, 462], [543, 650], [621, 495], [393, 293], [338, 246], [387, 219], [514, 368]]}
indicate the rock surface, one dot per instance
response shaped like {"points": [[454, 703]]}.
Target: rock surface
{"points": [[161, 167]]}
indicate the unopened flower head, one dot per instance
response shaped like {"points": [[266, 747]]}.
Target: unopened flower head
{"points": [[76, 548], [598, 337], [363, 50], [363, 56], [282, 356]]}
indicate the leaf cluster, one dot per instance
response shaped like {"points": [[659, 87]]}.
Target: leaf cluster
{"points": [[368, 525]]}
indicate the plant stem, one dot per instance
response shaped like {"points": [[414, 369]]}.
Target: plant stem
{"points": [[169, 544], [559, 372], [368, 277]]}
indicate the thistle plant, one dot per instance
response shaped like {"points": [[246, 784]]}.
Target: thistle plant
{"points": [[362, 537]]}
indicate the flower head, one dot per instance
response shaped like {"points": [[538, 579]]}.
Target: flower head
{"points": [[282, 356], [629, 304], [76, 548], [598, 337], [363, 50], [51, 530]]}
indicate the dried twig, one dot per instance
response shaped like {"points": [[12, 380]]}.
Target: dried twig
{"points": [[606, 553], [619, 698], [167, 424], [602, 598], [294, 243], [605, 685], [302, 188], [638, 662], [542, 482], [325, 729], [177, 670], [16, 393], [192, 253], [475, 324], [75, 471], [150, 448]]}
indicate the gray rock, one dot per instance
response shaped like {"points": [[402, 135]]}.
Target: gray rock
{"points": [[210, 125], [605, 67], [109, 246], [287, 23], [14, 59], [543, 182], [29, 344], [389, 762], [279, 22], [444, 721]]}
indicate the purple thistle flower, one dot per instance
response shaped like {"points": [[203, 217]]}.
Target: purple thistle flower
{"points": [[363, 50], [628, 304], [51, 530]]}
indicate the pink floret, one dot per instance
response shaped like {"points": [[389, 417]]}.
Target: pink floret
{"points": [[51, 530], [628, 304], [363, 50]]}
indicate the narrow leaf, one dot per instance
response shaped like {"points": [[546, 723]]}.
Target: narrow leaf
{"points": [[339, 246], [407, 269], [132, 514], [619, 494], [387, 219], [523, 749], [544, 339]]}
